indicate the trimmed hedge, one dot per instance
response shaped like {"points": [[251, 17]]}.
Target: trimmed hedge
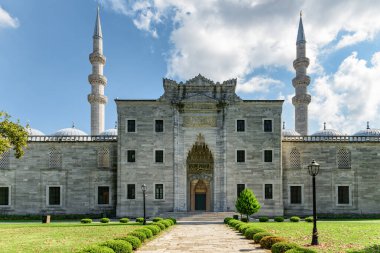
{"points": [[133, 240], [258, 236], [173, 219], [227, 219], [370, 249], [244, 227], [279, 219], [118, 246], [309, 219], [155, 219], [295, 219], [301, 250], [146, 231], [86, 221], [250, 232], [233, 222], [124, 220], [170, 221], [96, 249], [104, 220], [160, 225], [165, 222], [154, 229], [235, 216], [263, 219], [282, 247], [139, 235], [268, 241], [140, 219]]}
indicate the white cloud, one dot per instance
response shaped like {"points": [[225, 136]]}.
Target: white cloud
{"points": [[6, 20], [257, 84], [349, 97]]}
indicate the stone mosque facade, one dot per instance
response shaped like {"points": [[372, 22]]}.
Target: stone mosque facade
{"points": [[196, 148]]}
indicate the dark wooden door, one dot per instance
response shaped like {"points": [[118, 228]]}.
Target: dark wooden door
{"points": [[200, 201]]}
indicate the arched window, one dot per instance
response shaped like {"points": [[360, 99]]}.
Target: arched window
{"points": [[103, 158], [295, 159], [55, 158], [4, 160], [344, 158]]}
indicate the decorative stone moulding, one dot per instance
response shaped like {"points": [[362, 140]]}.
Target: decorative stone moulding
{"points": [[301, 62], [97, 79], [101, 99], [301, 81], [301, 99], [97, 58]]}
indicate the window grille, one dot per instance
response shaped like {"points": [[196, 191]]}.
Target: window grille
{"points": [[295, 159], [104, 158], [5, 160], [344, 158], [55, 158]]}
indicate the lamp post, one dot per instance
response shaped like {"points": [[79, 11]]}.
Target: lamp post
{"points": [[143, 188], [313, 169]]}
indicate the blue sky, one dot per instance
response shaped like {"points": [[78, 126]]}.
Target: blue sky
{"points": [[44, 47]]}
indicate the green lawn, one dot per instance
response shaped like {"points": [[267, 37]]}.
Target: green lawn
{"points": [[57, 237], [334, 236]]}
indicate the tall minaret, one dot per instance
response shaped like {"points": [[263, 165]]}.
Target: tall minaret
{"points": [[301, 100], [97, 81]]}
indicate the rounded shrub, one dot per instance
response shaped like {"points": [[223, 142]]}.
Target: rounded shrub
{"points": [[309, 219], [146, 231], [96, 249], [173, 219], [165, 222], [104, 220], [139, 235], [258, 236], [300, 250], [155, 219], [140, 219], [85, 221], [160, 225], [227, 219], [250, 232], [263, 219], [124, 220], [133, 240], [233, 222], [244, 219], [282, 247], [243, 227], [154, 229], [170, 221], [235, 216], [119, 246], [268, 241], [246, 227], [279, 219], [295, 219]]}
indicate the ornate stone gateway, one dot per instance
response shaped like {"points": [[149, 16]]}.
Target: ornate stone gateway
{"points": [[200, 166]]}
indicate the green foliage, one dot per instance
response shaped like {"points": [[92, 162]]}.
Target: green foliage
{"points": [[279, 219], [173, 219], [237, 225], [244, 219], [124, 220], [295, 219], [138, 234], [263, 219], [155, 219], [165, 222], [119, 246], [300, 250], [370, 249], [170, 221], [227, 219], [148, 233], [249, 225], [162, 226], [133, 240], [250, 232], [235, 216], [97, 249], [233, 222], [104, 220], [247, 203], [86, 220], [309, 219], [282, 247], [267, 241], [243, 227], [140, 220], [154, 228], [12, 135], [258, 236]]}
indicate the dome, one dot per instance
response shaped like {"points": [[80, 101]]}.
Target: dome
{"points": [[34, 132], [69, 132], [290, 132], [368, 132], [110, 132], [328, 132]]}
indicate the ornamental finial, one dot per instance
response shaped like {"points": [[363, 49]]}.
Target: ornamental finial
{"points": [[368, 125], [73, 125], [300, 13], [116, 124], [324, 126], [283, 125]]}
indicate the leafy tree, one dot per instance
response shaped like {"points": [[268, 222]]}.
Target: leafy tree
{"points": [[247, 203], [12, 135]]}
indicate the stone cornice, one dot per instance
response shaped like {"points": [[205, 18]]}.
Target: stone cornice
{"points": [[301, 62], [97, 79], [97, 98], [301, 81], [95, 57], [301, 99]]}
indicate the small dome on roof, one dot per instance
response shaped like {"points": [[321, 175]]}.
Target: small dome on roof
{"points": [[328, 132], [289, 132], [69, 132], [368, 132], [34, 132], [110, 132]]}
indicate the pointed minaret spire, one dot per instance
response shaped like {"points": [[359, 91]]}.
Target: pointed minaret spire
{"points": [[97, 80], [301, 100], [368, 125], [324, 125]]}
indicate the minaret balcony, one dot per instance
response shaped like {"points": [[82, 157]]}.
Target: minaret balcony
{"points": [[97, 79], [301, 81], [95, 57], [301, 99], [97, 99], [301, 62]]}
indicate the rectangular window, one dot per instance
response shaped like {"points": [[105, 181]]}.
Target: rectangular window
{"points": [[159, 126], [159, 191], [343, 195], [267, 125], [131, 191], [268, 191], [268, 156], [131, 156], [54, 196], [159, 156], [295, 195], [240, 125], [240, 188], [240, 156], [131, 125], [4, 196], [103, 195]]}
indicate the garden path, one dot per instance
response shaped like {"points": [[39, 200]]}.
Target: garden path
{"points": [[201, 237]]}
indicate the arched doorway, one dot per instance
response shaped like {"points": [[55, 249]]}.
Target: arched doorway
{"points": [[200, 166]]}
